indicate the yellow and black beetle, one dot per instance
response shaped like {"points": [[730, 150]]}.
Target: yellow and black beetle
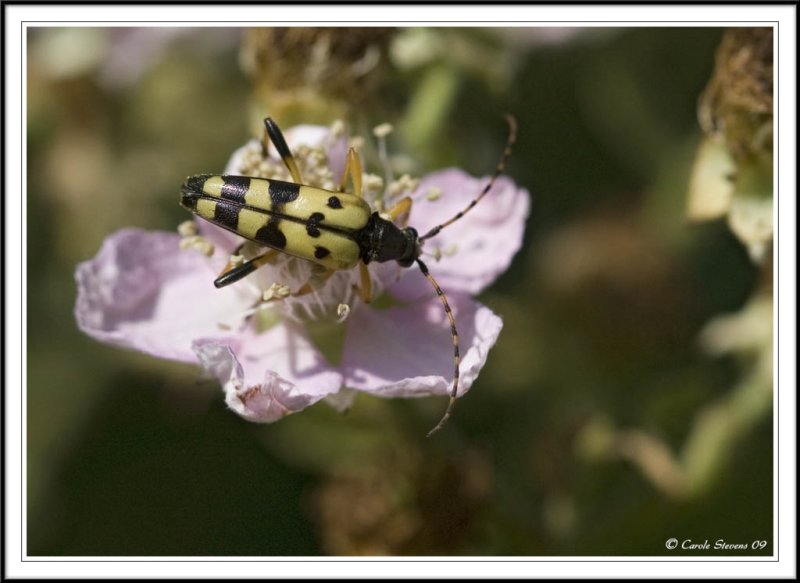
{"points": [[332, 228]]}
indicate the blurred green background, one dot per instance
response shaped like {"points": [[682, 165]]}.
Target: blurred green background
{"points": [[602, 423]]}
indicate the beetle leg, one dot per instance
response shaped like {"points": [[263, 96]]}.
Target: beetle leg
{"points": [[231, 274], [365, 289], [352, 168], [230, 264], [273, 132], [401, 210]]}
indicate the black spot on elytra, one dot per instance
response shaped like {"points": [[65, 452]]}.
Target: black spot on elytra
{"points": [[270, 235], [234, 188], [226, 215], [189, 198], [321, 252], [312, 225], [334, 202], [282, 192], [196, 183]]}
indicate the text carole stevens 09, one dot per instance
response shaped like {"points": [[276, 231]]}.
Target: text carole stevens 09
{"points": [[293, 237]]}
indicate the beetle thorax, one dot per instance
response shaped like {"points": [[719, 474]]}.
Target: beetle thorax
{"points": [[382, 240]]}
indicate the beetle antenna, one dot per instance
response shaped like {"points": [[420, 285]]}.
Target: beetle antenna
{"points": [[512, 138], [456, 356]]}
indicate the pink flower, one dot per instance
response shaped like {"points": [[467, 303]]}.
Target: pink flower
{"points": [[148, 292]]}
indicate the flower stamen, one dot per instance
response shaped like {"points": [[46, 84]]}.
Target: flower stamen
{"points": [[337, 129], [187, 229], [342, 312], [404, 184], [381, 132], [197, 242], [434, 193], [277, 291]]}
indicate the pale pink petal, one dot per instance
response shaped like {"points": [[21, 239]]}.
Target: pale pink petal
{"points": [[343, 400], [142, 292], [408, 351], [477, 248], [268, 375], [224, 241]]}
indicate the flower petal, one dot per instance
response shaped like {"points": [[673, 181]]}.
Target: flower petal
{"points": [[224, 241], [408, 351], [269, 375], [477, 248], [343, 400], [142, 292]]}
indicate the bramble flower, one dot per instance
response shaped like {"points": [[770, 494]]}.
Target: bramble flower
{"points": [[275, 351]]}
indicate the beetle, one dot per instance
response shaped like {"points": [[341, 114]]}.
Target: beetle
{"points": [[335, 229]]}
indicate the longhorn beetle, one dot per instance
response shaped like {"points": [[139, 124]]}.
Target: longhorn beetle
{"points": [[334, 229]]}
